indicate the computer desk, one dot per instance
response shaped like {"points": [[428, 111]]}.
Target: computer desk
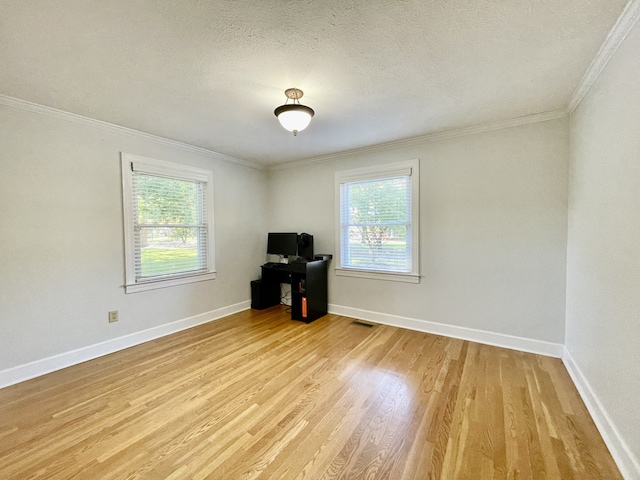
{"points": [[308, 280]]}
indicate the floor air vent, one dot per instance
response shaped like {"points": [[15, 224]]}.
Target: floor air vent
{"points": [[362, 324]]}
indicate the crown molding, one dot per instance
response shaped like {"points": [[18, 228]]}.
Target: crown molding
{"points": [[626, 21], [75, 118], [430, 137]]}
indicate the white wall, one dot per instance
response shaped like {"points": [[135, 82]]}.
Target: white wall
{"points": [[61, 237], [603, 261], [493, 230]]}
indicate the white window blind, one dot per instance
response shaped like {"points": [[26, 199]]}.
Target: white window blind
{"points": [[170, 226], [168, 210], [376, 224], [377, 215]]}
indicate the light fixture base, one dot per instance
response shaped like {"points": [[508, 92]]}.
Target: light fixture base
{"points": [[294, 93]]}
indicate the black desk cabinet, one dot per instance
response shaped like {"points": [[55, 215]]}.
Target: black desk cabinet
{"points": [[308, 288]]}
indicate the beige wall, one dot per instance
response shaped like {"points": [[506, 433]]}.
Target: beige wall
{"points": [[61, 237], [493, 230], [603, 264]]}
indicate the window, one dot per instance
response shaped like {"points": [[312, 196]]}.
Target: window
{"points": [[168, 223], [377, 216]]}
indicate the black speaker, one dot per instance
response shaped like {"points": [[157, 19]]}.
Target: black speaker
{"points": [[305, 246], [258, 297]]}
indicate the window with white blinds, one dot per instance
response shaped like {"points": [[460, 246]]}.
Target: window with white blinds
{"points": [[168, 223], [378, 222]]}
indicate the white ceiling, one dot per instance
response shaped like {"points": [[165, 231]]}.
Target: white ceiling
{"points": [[210, 72]]}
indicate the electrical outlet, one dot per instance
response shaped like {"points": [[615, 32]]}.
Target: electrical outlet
{"points": [[113, 316]]}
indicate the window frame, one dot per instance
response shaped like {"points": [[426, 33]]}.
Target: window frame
{"points": [[382, 171], [138, 163]]}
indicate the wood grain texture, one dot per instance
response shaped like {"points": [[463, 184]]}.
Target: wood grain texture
{"points": [[258, 396]]}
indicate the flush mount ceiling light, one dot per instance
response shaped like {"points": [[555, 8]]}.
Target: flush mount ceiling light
{"points": [[294, 116]]}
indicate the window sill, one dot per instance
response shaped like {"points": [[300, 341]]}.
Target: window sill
{"points": [[168, 282], [376, 275]]}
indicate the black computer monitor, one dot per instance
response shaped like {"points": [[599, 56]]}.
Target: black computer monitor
{"points": [[284, 244]]}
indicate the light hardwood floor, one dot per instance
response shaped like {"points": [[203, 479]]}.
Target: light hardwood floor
{"points": [[256, 395]]}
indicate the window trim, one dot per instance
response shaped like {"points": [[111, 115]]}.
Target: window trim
{"points": [[167, 169], [379, 172]]}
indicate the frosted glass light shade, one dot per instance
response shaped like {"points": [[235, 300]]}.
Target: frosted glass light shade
{"points": [[294, 117]]}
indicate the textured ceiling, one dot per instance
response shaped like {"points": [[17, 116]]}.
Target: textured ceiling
{"points": [[210, 73]]}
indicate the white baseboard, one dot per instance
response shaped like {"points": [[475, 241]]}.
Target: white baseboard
{"points": [[628, 464], [539, 347], [37, 368]]}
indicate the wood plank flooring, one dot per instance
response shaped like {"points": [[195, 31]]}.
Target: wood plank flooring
{"points": [[258, 396]]}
